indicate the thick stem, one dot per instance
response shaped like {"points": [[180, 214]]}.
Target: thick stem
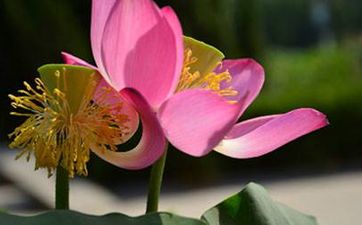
{"points": [[61, 188], [155, 183]]}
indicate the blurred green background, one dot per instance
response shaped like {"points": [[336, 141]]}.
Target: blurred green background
{"points": [[311, 51]]}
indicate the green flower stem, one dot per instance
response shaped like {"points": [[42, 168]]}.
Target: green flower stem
{"points": [[61, 188], [155, 183]]}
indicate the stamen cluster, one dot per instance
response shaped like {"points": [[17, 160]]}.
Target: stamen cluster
{"points": [[211, 81], [57, 136]]}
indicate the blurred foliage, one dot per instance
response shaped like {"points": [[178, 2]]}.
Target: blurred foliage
{"points": [[326, 77], [302, 69], [232, 25], [289, 23], [347, 17]]}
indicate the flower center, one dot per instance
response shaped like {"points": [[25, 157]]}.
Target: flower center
{"points": [[216, 82], [58, 136]]}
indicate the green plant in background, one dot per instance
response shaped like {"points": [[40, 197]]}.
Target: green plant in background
{"points": [[329, 72]]}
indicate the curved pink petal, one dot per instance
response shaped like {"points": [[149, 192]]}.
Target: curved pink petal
{"points": [[152, 143], [141, 48], [106, 95], [74, 60], [100, 12], [247, 79], [259, 136], [195, 121]]}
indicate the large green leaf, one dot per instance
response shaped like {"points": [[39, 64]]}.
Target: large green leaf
{"points": [[65, 217], [253, 206]]}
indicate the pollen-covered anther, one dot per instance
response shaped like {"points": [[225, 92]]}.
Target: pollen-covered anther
{"points": [[57, 136], [216, 82]]}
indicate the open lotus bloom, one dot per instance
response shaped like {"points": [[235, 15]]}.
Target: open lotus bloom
{"points": [[180, 88]]}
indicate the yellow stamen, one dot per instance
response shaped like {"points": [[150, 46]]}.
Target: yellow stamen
{"points": [[57, 136], [211, 81]]}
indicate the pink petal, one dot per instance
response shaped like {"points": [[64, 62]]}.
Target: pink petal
{"points": [[142, 49], [195, 120], [152, 143], [73, 60], [259, 136], [247, 79], [100, 12], [175, 25], [247, 126]]}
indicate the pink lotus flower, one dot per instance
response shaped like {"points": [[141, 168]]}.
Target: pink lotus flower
{"points": [[181, 89]]}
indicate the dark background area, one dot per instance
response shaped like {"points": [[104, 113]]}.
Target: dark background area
{"points": [[311, 50]]}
